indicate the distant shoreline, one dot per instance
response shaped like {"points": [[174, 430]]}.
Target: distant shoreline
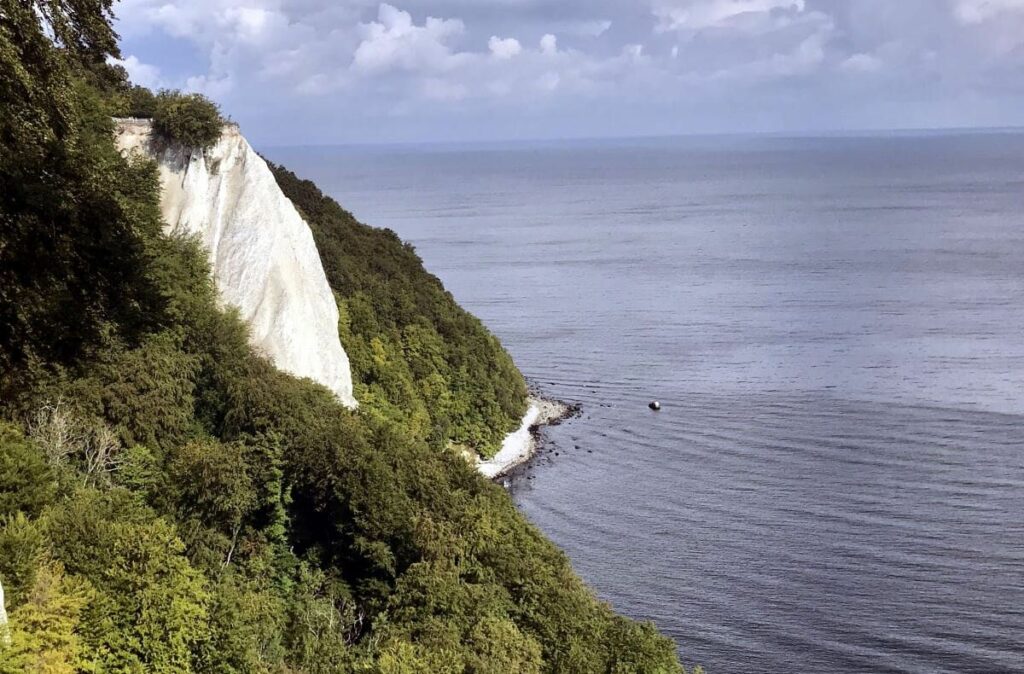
{"points": [[521, 445]]}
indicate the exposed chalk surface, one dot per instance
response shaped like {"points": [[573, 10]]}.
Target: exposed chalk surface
{"points": [[3, 617], [520, 445], [263, 256]]}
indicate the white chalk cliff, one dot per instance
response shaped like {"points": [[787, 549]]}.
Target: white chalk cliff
{"points": [[261, 251], [4, 636]]}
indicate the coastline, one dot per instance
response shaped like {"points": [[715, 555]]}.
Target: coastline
{"points": [[521, 445]]}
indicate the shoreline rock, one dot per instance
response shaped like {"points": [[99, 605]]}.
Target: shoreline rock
{"points": [[521, 445]]}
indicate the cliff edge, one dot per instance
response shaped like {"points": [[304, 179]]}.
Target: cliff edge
{"points": [[261, 252]]}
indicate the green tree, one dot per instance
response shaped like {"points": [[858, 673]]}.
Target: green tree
{"points": [[140, 102], [44, 628], [23, 545], [499, 647], [323, 623], [150, 610], [213, 487], [246, 628], [146, 393], [190, 120], [27, 483]]}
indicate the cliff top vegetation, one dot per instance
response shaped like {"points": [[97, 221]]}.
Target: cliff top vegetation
{"points": [[191, 120]]}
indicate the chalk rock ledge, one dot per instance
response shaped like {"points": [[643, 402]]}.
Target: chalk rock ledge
{"points": [[262, 253]]}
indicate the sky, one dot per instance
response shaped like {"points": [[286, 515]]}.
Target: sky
{"points": [[319, 72]]}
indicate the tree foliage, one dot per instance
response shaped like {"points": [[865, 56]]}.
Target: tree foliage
{"points": [[72, 257], [190, 120], [46, 626], [139, 102], [27, 482]]}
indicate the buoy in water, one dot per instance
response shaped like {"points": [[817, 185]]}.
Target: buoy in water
{"points": [[655, 405]]}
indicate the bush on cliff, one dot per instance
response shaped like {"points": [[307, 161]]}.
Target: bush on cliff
{"points": [[191, 120], [139, 102]]}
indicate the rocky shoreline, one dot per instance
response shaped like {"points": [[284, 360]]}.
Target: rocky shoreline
{"points": [[521, 445]]}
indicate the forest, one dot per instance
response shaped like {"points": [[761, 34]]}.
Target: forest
{"points": [[170, 502]]}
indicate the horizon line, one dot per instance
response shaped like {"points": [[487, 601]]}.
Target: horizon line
{"points": [[865, 132]]}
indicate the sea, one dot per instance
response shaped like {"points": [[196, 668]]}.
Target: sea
{"points": [[834, 327]]}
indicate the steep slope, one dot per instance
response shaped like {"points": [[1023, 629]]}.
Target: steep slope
{"points": [[262, 254], [417, 356]]}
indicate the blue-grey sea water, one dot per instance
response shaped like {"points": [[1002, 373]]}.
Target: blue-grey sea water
{"points": [[835, 329]]}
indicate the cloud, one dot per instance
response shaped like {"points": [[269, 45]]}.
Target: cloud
{"points": [[695, 15], [861, 63], [802, 59], [140, 73], [210, 85], [292, 69], [395, 42], [978, 11], [504, 48], [549, 44], [590, 28]]}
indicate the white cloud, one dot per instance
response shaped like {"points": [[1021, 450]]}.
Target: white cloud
{"points": [[140, 73], [549, 44], [979, 11], [504, 48], [212, 86], [203, 20], [861, 63], [695, 15], [395, 42], [252, 24], [802, 60]]}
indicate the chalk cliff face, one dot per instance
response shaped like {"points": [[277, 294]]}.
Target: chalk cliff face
{"points": [[262, 253], [3, 617]]}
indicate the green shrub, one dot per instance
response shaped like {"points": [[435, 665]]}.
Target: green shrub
{"points": [[191, 120], [27, 483], [140, 102]]}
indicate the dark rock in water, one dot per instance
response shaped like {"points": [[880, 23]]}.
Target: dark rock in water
{"points": [[655, 405]]}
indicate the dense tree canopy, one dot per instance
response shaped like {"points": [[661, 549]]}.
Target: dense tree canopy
{"points": [[170, 502], [71, 259]]}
